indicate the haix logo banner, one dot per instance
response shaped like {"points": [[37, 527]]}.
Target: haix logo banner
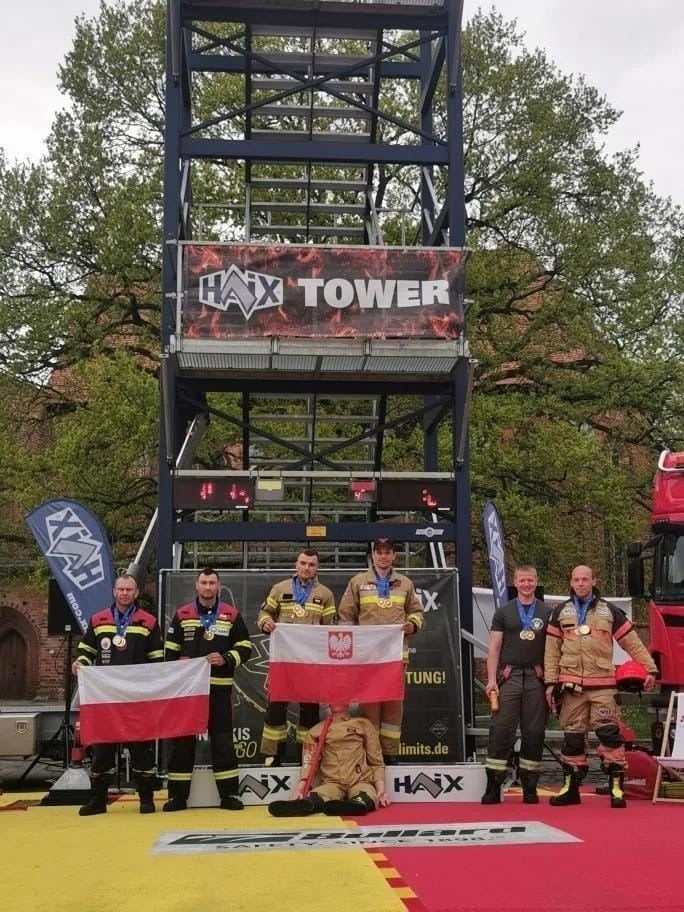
{"points": [[494, 538], [241, 291], [78, 554]]}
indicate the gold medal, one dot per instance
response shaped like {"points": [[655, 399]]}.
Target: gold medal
{"points": [[584, 630], [384, 603], [299, 610], [208, 635], [530, 634], [119, 641]]}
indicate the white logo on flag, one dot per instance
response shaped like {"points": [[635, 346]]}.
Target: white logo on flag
{"points": [[340, 645], [72, 543]]}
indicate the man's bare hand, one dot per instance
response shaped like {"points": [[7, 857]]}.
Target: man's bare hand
{"points": [[215, 658], [268, 625], [75, 666]]}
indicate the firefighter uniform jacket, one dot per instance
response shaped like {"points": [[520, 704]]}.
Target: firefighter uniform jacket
{"points": [[359, 604], [587, 660], [185, 639], [143, 640], [281, 606], [351, 753]]}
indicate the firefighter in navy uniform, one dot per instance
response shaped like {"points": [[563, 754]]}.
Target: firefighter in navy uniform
{"points": [[515, 673], [578, 662], [121, 635], [211, 628], [299, 599]]}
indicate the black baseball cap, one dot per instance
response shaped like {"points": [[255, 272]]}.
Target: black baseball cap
{"points": [[384, 543]]}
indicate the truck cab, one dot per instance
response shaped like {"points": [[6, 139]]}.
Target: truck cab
{"points": [[664, 553]]}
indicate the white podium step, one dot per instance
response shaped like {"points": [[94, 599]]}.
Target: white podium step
{"points": [[456, 782]]}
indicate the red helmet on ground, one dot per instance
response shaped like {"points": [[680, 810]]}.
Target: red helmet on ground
{"points": [[631, 677]]}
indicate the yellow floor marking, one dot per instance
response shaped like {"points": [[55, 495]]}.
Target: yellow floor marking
{"points": [[53, 859]]}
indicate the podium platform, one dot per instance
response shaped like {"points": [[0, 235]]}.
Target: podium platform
{"points": [[259, 785]]}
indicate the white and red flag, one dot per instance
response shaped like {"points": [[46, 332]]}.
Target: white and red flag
{"points": [[144, 702], [317, 664]]}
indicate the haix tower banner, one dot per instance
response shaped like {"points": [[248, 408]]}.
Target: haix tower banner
{"points": [[494, 538], [248, 291], [76, 548]]}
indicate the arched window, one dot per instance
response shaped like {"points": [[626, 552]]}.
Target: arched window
{"points": [[13, 666]]}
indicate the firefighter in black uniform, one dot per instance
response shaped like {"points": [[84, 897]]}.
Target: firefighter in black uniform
{"points": [[121, 635], [515, 674], [211, 628]]}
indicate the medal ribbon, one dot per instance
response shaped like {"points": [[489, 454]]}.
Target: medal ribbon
{"points": [[383, 585], [123, 619], [526, 613], [207, 619], [581, 608], [301, 591]]}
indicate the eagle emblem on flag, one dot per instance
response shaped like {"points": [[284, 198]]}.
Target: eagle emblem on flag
{"points": [[340, 645]]}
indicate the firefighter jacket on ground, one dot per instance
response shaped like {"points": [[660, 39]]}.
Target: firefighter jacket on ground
{"points": [[582, 653], [227, 634], [282, 607], [362, 604], [142, 640]]}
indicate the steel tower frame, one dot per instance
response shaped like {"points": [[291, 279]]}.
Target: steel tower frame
{"points": [[221, 38]]}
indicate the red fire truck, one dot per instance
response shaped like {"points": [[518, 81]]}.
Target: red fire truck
{"points": [[665, 554]]}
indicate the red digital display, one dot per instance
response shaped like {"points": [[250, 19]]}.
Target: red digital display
{"points": [[414, 494], [212, 493]]}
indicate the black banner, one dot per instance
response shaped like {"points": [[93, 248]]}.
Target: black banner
{"points": [[258, 290], [433, 713]]}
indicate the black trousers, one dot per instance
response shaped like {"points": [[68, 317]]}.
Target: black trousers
{"points": [[522, 701], [142, 758], [223, 758]]}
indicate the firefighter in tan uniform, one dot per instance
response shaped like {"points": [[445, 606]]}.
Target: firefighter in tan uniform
{"points": [[352, 772], [578, 668], [300, 599], [380, 595]]}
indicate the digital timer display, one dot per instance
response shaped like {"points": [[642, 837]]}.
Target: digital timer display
{"points": [[405, 494], [212, 493]]}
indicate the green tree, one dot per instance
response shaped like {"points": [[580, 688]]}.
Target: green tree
{"points": [[575, 284]]}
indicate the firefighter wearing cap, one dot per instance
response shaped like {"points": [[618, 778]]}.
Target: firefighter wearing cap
{"points": [[380, 595], [300, 599], [578, 661]]}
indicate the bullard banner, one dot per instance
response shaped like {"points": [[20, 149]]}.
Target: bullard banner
{"points": [[248, 291]]}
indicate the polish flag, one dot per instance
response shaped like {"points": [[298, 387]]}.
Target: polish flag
{"points": [[143, 702], [317, 664]]}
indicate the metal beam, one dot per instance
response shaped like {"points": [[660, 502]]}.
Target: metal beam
{"points": [[299, 531]]}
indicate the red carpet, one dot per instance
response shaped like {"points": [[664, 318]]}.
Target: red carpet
{"points": [[629, 860]]}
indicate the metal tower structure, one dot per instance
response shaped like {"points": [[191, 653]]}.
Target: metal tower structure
{"points": [[333, 123]]}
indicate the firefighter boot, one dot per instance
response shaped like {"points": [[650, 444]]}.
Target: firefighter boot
{"points": [[495, 779], [146, 794], [358, 806], [616, 778], [298, 807], [226, 790], [179, 792], [98, 797], [271, 760], [529, 782], [569, 793]]}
